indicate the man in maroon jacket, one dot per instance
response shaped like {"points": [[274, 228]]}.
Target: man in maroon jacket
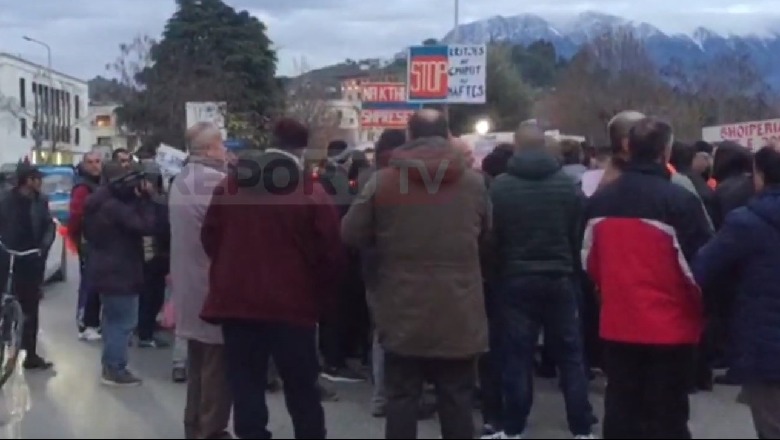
{"points": [[276, 257], [87, 181]]}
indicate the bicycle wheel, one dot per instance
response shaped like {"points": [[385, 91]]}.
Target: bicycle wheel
{"points": [[11, 321]]}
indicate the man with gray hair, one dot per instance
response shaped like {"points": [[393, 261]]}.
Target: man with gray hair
{"points": [[536, 215], [209, 400]]}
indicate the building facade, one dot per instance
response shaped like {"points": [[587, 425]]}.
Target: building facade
{"points": [[106, 130], [43, 114]]}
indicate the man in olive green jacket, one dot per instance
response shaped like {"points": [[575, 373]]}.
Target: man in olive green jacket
{"points": [[425, 215]]}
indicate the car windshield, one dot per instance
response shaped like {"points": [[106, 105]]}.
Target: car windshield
{"points": [[57, 184]]}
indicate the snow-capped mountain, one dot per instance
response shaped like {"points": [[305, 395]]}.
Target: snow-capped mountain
{"points": [[568, 35]]}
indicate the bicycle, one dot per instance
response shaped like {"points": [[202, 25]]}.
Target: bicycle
{"points": [[11, 319]]}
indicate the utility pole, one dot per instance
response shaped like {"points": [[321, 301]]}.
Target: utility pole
{"points": [[48, 117], [455, 39]]}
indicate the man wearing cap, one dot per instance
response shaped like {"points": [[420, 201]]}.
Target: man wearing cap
{"points": [[26, 223]]}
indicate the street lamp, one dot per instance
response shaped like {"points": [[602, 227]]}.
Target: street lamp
{"points": [[482, 127], [49, 73]]}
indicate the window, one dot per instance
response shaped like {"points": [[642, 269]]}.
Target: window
{"points": [[77, 110], [77, 134], [23, 127], [104, 141], [22, 92], [103, 121]]}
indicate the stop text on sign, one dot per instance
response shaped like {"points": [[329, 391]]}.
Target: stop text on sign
{"points": [[447, 74]]}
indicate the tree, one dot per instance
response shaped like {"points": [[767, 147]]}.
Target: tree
{"points": [[726, 89], [308, 99], [538, 63], [208, 52], [611, 73]]}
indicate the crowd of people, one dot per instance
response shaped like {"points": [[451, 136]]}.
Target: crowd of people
{"points": [[651, 260]]}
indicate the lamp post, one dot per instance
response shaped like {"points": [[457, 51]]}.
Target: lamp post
{"points": [[39, 136]]}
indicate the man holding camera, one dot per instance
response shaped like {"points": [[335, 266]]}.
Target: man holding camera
{"points": [[116, 218]]}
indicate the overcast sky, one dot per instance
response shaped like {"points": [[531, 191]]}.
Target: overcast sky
{"points": [[85, 34]]}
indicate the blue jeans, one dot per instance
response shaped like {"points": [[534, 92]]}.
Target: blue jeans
{"points": [[530, 304], [120, 318]]}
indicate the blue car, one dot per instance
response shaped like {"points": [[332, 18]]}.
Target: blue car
{"points": [[57, 185]]}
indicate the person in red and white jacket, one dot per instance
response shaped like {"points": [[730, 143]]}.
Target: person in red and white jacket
{"points": [[642, 230]]}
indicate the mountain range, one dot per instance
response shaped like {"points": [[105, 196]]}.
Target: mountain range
{"points": [[700, 46]]}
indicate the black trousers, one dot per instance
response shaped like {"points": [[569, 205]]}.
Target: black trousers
{"points": [[491, 365], [89, 300], [151, 300], [248, 348], [454, 381], [346, 330], [647, 391], [31, 308]]}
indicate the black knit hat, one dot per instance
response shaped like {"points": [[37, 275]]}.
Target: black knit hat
{"points": [[25, 171]]}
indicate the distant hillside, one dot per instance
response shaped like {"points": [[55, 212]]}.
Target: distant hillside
{"points": [[701, 46]]}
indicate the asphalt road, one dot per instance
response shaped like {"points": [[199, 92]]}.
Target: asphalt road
{"points": [[70, 403]]}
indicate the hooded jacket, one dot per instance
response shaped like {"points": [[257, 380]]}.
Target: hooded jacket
{"points": [[536, 216], [747, 251], [424, 216], [272, 235]]}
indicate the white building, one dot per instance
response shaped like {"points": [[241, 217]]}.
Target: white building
{"points": [[43, 108], [106, 131], [348, 115]]}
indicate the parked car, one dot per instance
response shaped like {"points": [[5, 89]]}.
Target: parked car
{"points": [[57, 185]]}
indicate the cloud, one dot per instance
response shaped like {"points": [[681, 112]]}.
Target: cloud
{"points": [[85, 34]]}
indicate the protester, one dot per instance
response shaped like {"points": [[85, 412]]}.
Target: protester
{"points": [[651, 313], [388, 142], [426, 236], [123, 157], [573, 158], [491, 364], [156, 264], [25, 224], [87, 182], [732, 169], [209, 399], [256, 226], [537, 213], [341, 330], [116, 217], [748, 246], [618, 129], [683, 160]]}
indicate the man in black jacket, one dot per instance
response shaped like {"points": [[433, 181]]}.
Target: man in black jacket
{"points": [[26, 223], [536, 214], [117, 217]]}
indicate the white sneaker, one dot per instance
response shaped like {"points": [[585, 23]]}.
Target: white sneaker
{"points": [[585, 437], [90, 335], [502, 436]]}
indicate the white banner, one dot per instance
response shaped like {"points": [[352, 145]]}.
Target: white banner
{"points": [[753, 134], [170, 160], [207, 112], [447, 74]]}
